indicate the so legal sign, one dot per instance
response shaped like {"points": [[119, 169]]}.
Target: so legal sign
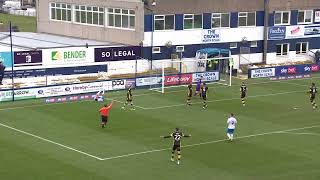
{"points": [[117, 53]]}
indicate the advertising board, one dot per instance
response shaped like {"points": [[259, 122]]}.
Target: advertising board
{"points": [[294, 31], [18, 94], [57, 71], [206, 76], [211, 36], [261, 73], [178, 79], [117, 53], [148, 81], [65, 56], [5, 58], [276, 33], [278, 71], [118, 84], [27, 58]]}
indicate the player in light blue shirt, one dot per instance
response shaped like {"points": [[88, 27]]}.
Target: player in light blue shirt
{"points": [[99, 96], [232, 121]]}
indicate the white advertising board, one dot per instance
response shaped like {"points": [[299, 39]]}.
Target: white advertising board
{"points": [[18, 94], [294, 31], [66, 56], [148, 81], [70, 89], [206, 76], [261, 73]]}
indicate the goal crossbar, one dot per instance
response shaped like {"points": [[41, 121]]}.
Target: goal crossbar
{"points": [[194, 68]]}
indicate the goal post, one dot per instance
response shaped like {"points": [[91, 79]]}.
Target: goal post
{"points": [[177, 73]]}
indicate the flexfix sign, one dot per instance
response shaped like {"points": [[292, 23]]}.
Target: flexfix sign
{"points": [[276, 33], [117, 53]]}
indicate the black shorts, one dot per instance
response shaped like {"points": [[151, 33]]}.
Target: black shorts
{"points": [[204, 97], [129, 100], [243, 95], [104, 119], [312, 97], [176, 147]]}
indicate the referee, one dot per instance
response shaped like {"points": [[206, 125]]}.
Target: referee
{"points": [[104, 112]]}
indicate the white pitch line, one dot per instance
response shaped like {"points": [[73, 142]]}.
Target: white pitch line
{"points": [[49, 141], [211, 142], [219, 100], [112, 99], [314, 134], [296, 84]]}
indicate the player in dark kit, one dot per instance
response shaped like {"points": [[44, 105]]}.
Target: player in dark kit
{"points": [[243, 91], [176, 135], [204, 90], [313, 91], [189, 95], [129, 100]]}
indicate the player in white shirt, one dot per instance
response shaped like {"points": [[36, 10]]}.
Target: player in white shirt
{"points": [[232, 121], [99, 96]]}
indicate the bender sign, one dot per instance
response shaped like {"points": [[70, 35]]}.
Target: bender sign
{"points": [[117, 53]]}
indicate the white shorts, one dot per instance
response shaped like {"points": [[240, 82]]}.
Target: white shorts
{"points": [[99, 98]]}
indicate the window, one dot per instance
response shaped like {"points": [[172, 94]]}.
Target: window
{"points": [[220, 20], [282, 49], [247, 19], [302, 47], [233, 45], [192, 21], [282, 18], [121, 18], [164, 22], [253, 44], [305, 17], [180, 49], [60, 12], [156, 50], [89, 15]]}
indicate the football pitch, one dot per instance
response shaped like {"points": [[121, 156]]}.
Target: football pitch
{"points": [[277, 136]]}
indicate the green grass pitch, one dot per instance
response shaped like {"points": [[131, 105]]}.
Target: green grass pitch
{"points": [[277, 136], [24, 23]]}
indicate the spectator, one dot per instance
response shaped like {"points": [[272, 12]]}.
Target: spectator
{"points": [[2, 68]]}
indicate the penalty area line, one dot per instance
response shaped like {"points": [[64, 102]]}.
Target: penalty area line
{"points": [[52, 142], [212, 142]]}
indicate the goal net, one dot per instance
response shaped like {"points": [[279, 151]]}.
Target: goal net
{"points": [[177, 73]]}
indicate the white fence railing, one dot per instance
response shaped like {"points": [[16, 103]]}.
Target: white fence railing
{"points": [[22, 12]]}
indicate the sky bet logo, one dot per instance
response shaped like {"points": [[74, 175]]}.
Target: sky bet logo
{"points": [[284, 71], [315, 68], [307, 69], [290, 70]]}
